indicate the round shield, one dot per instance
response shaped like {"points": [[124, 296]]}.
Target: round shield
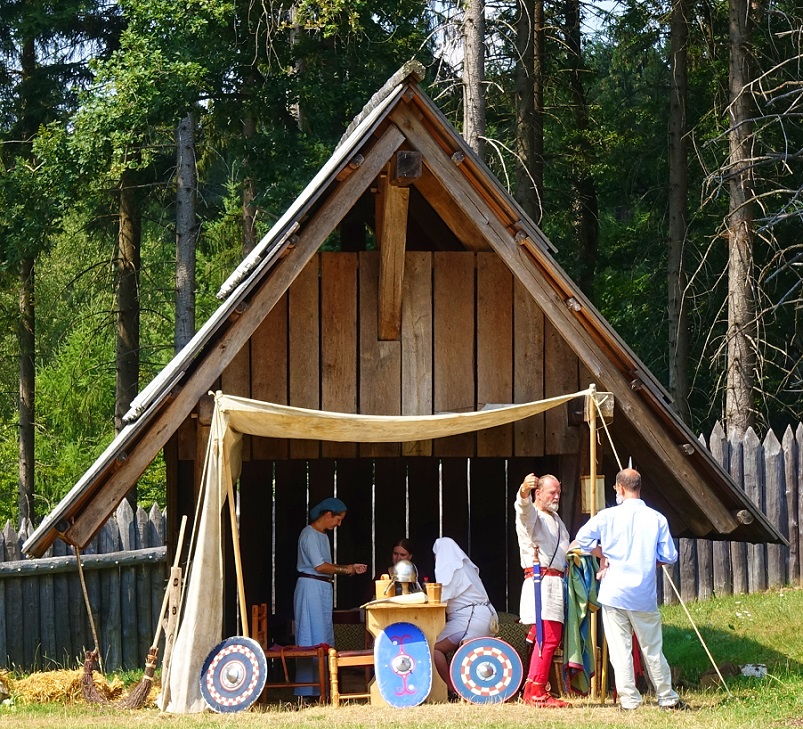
{"points": [[233, 675], [486, 671]]}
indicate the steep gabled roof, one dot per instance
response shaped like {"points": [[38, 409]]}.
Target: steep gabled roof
{"points": [[698, 496]]}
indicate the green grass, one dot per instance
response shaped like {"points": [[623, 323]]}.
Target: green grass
{"points": [[763, 628]]}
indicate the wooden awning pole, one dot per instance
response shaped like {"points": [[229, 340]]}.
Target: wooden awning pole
{"points": [[591, 402], [238, 564]]}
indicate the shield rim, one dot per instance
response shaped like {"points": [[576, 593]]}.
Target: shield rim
{"points": [[507, 650], [261, 665], [431, 668]]}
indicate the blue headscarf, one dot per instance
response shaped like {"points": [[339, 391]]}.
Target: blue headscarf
{"points": [[331, 504]]}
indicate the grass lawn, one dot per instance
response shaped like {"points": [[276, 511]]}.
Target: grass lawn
{"points": [[764, 628]]}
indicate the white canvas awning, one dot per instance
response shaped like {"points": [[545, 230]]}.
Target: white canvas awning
{"points": [[201, 625]]}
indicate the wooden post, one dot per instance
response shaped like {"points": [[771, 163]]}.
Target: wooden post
{"points": [[596, 689], [238, 563]]}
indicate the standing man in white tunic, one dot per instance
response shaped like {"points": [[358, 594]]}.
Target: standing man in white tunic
{"points": [[543, 540], [633, 539]]}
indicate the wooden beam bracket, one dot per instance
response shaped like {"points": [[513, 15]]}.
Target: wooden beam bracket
{"points": [[354, 164]]}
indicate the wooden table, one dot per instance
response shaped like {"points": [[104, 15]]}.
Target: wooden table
{"points": [[430, 617]]}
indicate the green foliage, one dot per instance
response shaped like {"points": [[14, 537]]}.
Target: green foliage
{"points": [[297, 76]]}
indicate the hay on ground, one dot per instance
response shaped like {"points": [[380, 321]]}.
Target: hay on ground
{"points": [[64, 686]]}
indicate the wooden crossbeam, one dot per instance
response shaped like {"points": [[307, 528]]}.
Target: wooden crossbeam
{"points": [[392, 206]]}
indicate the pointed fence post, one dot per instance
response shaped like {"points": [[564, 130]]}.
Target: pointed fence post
{"points": [[790, 471], [738, 549], [775, 502], [723, 574], [754, 488]]}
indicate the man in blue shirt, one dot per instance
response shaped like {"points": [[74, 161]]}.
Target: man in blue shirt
{"points": [[632, 539]]}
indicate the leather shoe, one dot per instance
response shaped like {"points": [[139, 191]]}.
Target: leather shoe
{"points": [[546, 702]]}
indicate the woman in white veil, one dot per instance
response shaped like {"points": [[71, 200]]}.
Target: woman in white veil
{"points": [[469, 613]]}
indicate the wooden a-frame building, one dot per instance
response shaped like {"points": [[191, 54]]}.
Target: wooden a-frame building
{"points": [[459, 303]]}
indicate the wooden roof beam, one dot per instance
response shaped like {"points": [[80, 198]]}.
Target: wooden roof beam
{"points": [[108, 494], [523, 266], [454, 217], [392, 204]]}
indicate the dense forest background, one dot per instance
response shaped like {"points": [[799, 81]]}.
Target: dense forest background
{"points": [[148, 144]]}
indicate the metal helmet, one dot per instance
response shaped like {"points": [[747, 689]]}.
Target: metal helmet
{"points": [[404, 571]]}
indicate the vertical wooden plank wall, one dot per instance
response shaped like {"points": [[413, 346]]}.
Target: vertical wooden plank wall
{"points": [[256, 525], [236, 380], [528, 370], [494, 348], [470, 336], [290, 507], [380, 360], [416, 344], [355, 478], [454, 335], [487, 525], [423, 476], [269, 375], [390, 512], [305, 353], [339, 342], [561, 375]]}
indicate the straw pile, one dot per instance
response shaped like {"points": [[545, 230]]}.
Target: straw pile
{"points": [[64, 686]]}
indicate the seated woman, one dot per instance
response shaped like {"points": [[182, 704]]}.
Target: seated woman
{"points": [[469, 613], [401, 551]]}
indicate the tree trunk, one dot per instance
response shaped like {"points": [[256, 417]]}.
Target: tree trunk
{"points": [[529, 107], [678, 196], [27, 361], [186, 230], [742, 329], [539, 83], [26, 326], [127, 265], [585, 209], [249, 208], [474, 76]]}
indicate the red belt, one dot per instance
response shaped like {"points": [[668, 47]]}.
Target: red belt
{"points": [[545, 572]]}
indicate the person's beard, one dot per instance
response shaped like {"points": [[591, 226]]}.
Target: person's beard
{"points": [[619, 499], [552, 507]]}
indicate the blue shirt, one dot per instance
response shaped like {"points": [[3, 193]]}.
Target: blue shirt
{"points": [[313, 550], [633, 537]]}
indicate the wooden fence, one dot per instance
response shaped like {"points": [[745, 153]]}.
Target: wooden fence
{"points": [[771, 473], [44, 623]]}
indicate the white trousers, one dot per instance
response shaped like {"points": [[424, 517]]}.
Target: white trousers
{"points": [[619, 627]]}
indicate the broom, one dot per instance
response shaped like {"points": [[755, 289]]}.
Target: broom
{"points": [[139, 694]]}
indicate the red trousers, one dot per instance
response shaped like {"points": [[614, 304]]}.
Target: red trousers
{"points": [[540, 664]]}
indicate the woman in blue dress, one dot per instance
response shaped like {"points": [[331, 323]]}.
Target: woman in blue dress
{"points": [[312, 601]]}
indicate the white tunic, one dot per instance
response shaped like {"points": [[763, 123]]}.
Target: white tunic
{"points": [[547, 530]]}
